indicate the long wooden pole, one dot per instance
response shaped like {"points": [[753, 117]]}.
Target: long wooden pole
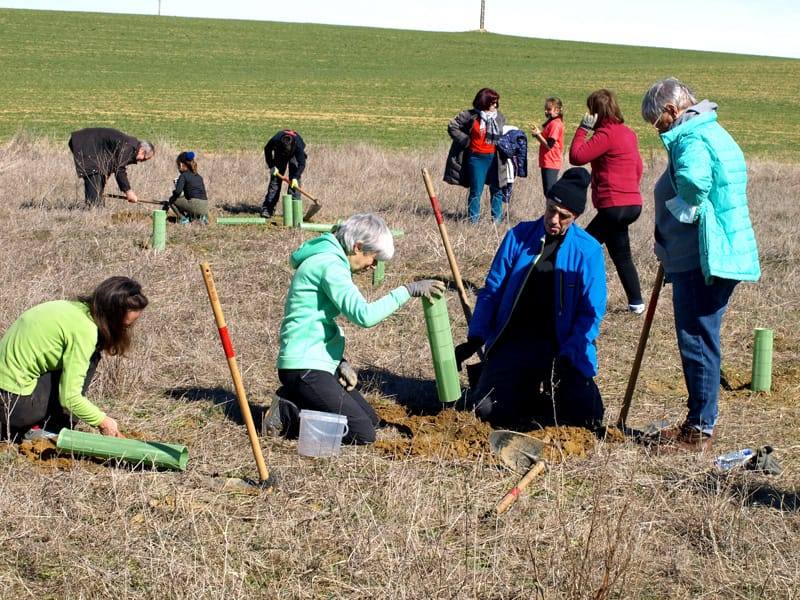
{"points": [[122, 197], [637, 361], [451, 258], [227, 346], [287, 181]]}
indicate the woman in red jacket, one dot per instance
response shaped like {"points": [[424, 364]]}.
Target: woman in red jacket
{"points": [[613, 151]]}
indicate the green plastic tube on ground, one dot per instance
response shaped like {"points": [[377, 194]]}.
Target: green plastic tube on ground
{"points": [[241, 221], [761, 376], [379, 273], [440, 337], [319, 227], [158, 454], [158, 240], [297, 212], [287, 210]]}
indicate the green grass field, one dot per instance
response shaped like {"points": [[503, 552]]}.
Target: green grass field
{"points": [[215, 84]]}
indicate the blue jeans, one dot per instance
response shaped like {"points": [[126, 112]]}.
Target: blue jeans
{"points": [[698, 311], [482, 166]]}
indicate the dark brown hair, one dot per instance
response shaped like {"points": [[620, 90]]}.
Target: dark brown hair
{"points": [[108, 305], [485, 98], [187, 158], [603, 103]]}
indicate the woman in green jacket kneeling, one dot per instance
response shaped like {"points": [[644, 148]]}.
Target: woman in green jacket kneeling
{"points": [[311, 364], [49, 355]]}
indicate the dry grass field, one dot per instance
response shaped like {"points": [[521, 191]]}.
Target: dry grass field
{"points": [[614, 522]]}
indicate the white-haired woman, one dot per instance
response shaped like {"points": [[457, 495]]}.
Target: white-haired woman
{"points": [[704, 240], [311, 364]]}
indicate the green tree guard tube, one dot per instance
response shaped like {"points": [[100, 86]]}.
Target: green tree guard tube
{"points": [[158, 241], [761, 377], [172, 456], [297, 212], [320, 227], [287, 210], [241, 221], [379, 273], [440, 338], [397, 233]]}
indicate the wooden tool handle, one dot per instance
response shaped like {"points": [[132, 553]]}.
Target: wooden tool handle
{"points": [[123, 197], [227, 346], [288, 181], [645, 334], [451, 258], [514, 493]]}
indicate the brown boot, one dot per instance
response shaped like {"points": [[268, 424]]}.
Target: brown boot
{"points": [[683, 437]]}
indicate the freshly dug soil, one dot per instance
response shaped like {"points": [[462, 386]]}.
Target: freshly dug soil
{"points": [[43, 453], [451, 434]]}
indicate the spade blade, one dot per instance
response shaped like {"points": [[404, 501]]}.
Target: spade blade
{"points": [[314, 209], [518, 451]]}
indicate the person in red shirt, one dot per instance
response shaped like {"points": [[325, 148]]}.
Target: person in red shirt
{"points": [[551, 141], [472, 160], [613, 152]]}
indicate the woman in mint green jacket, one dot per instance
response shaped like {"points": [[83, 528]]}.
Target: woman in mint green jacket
{"points": [[704, 240], [49, 354], [311, 364]]}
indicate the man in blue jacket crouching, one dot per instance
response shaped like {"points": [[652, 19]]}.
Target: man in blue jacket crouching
{"points": [[537, 318]]}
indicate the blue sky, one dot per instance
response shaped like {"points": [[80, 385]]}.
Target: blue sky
{"points": [[742, 26]]}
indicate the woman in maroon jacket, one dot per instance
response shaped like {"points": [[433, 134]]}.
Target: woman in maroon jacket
{"points": [[613, 151]]}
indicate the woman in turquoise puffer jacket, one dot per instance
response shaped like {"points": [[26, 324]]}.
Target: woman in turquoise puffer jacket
{"points": [[704, 240]]}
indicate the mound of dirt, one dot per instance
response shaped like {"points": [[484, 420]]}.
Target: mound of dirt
{"points": [[451, 434], [129, 216], [42, 452]]}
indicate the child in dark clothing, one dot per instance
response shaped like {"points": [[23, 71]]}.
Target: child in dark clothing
{"points": [[551, 140], [193, 206]]}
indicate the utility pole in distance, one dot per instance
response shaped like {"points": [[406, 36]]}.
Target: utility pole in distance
{"points": [[483, 11]]}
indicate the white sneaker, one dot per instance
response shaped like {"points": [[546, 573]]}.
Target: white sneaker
{"points": [[636, 309]]}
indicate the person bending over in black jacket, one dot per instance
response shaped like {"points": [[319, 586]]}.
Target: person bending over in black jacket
{"points": [[100, 152], [285, 148]]}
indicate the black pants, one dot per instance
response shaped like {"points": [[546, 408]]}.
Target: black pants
{"points": [[610, 227], [549, 177], [94, 185], [319, 390], [42, 407], [524, 385], [274, 191]]}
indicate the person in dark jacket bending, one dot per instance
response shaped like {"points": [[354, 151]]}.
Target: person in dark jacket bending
{"points": [[538, 316], [100, 152], [285, 148], [194, 204]]}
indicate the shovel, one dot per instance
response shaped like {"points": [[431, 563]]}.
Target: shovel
{"points": [[522, 454], [122, 197], [315, 208]]}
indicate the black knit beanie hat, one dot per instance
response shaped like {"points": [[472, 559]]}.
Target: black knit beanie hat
{"points": [[570, 190]]}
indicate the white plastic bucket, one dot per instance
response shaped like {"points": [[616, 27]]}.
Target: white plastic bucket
{"points": [[321, 433]]}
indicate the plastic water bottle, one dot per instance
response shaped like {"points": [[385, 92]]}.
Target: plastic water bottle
{"points": [[728, 461]]}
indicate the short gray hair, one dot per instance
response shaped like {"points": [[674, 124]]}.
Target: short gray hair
{"points": [[147, 147], [371, 231], [661, 93]]}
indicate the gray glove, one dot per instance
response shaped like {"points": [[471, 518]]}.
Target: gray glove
{"points": [[426, 288], [348, 377], [764, 461], [588, 121]]}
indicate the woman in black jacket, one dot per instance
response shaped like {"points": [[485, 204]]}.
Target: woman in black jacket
{"points": [[194, 204], [472, 161]]}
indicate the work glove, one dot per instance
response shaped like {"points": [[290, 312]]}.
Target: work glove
{"points": [[764, 461], [467, 349], [276, 172], [347, 375], [588, 121], [432, 289], [294, 185]]}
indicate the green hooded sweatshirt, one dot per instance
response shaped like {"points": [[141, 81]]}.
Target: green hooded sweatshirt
{"points": [[321, 290]]}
